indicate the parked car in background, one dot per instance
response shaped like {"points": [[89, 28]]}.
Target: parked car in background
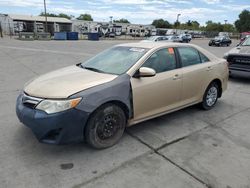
{"points": [[111, 35], [129, 83], [155, 39], [244, 35], [223, 34], [174, 38], [220, 41], [189, 36], [244, 38], [239, 59], [186, 38]]}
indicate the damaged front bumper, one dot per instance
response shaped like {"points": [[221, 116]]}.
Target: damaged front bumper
{"points": [[58, 128]]}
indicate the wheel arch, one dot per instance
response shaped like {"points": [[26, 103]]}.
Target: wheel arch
{"points": [[122, 105], [118, 103], [219, 83]]}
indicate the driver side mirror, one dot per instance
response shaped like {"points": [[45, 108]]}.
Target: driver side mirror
{"points": [[145, 72]]}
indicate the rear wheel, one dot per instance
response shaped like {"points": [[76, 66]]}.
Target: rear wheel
{"points": [[210, 96], [105, 127]]}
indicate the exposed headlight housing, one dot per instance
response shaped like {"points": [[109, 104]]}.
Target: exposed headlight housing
{"points": [[54, 106], [225, 56]]}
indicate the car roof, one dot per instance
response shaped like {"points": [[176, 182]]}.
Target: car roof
{"points": [[152, 45], [157, 45]]}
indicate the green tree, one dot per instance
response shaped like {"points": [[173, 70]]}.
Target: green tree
{"points": [[228, 28], [190, 25], [48, 14], [160, 23], [123, 20], [86, 17], [61, 15], [243, 23], [213, 26], [177, 24], [195, 25]]}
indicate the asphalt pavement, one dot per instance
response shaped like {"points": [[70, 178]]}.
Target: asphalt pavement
{"points": [[189, 148]]}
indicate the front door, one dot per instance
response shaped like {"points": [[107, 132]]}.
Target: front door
{"points": [[160, 93]]}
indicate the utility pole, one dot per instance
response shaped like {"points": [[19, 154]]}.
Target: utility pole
{"points": [[10, 29], [177, 21], [1, 30], [45, 12]]}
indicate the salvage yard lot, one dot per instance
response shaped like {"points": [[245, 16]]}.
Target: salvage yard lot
{"points": [[188, 148]]}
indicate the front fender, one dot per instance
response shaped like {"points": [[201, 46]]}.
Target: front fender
{"points": [[118, 89]]}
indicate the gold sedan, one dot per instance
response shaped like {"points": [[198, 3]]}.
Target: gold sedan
{"points": [[95, 100]]}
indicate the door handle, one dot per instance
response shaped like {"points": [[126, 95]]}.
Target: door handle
{"points": [[176, 77]]}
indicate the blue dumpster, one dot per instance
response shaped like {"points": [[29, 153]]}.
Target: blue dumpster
{"points": [[72, 35], [60, 36], [93, 36]]}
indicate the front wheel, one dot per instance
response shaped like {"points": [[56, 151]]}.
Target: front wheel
{"points": [[210, 96], [105, 126]]}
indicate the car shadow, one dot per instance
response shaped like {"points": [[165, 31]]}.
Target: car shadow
{"points": [[240, 79]]}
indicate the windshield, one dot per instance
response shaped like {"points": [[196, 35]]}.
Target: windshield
{"points": [[116, 60], [246, 42], [218, 38]]}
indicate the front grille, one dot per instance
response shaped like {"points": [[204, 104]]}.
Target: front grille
{"points": [[239, 62], [239, 59], [30, 102]]}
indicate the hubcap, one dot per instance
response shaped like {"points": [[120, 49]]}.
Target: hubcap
{"points": [[211, 96], [108, 126]]}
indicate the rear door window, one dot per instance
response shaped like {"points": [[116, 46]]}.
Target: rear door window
{"points": [[189, 56]]}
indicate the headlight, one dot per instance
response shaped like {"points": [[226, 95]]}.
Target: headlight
{"points": [[225, 56], [53, 106]]}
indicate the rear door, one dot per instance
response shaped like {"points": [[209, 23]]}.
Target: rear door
{"points": [[196, 71], [162, 92]]}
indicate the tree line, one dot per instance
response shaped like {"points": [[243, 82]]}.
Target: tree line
{"points": [[85, 17], [241, 24]]}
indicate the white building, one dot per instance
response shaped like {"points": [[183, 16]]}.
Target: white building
{"points": [[12, 24]]}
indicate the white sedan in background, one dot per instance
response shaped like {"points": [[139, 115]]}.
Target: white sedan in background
{"points": [[155, 39]]}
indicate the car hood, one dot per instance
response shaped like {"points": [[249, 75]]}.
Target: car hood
{"points": [[240, 50], [65, 82]]}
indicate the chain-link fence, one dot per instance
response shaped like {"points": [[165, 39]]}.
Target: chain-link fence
{"points": [[212, 34]]}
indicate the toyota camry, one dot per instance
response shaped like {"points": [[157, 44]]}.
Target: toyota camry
{"points": [[95, 100]]}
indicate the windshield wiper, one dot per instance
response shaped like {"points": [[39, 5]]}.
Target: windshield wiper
{"points": [[92, 69]]}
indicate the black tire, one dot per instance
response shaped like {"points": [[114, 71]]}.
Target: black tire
{"points": [[207, 102], [105, 126]]}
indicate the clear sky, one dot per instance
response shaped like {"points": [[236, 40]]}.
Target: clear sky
{"points": [[136, 11]]}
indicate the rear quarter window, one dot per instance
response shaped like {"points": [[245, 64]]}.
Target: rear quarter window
{"points": [[204, 58]]}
